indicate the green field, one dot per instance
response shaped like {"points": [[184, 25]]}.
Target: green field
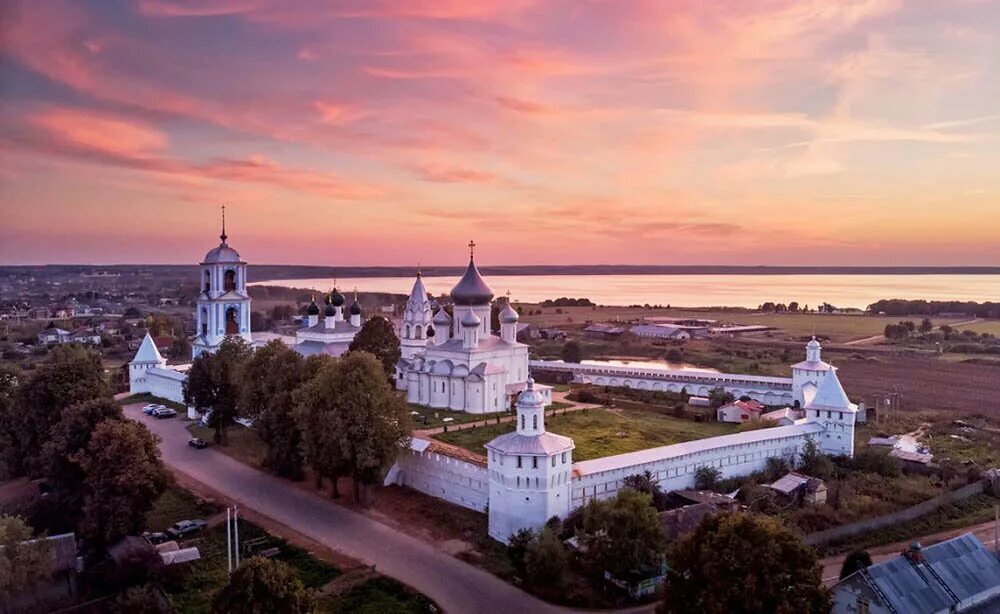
{"points": [[427, 417], [836, 327], [602, 432], [177, 504], [984, 326]]}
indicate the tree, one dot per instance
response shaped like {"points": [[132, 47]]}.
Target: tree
{"points": [[71, 374], [743, 563], [180, 347], [947, 331], [707, 478], [144, 598], [263, 585], [926, 326], [372, 420], [517, 548], [10, 458], [814, 463], [855, 561], [719, 396], [315, 414], [214, 383], [571, 352], [23, 562], [793, 307], [623, 534], [545, 561], [270, 379], [123, 477], [69, 438], [644, 483], [379, 339]]}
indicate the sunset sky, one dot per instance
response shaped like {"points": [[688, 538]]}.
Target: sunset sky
{"points": [[378, 132]]}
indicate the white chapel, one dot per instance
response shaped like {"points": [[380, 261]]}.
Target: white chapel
{"points": [[454, 361]]}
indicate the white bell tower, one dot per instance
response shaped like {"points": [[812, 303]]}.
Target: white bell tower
{"points": [[223, 303], [417, 324]]}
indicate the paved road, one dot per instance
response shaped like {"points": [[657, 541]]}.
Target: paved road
{"points": [[456, 586]]}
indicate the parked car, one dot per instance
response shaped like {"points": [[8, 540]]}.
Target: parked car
{"points": [[150, 409], [184, 528], [164, 412], [198, 443], [156, 538]]}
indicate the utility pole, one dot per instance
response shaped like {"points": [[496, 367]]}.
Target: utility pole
{"points": [[236, 532], [229, 549]]}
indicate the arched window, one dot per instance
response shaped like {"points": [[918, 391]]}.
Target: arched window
{"points": [[208, 280], [230, 280], [418, 332], [204, 321], [232, 326], [522, 422], [406, 332], [534, 421]]}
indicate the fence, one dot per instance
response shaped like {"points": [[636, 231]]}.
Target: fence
{"points": [[910, 513]]}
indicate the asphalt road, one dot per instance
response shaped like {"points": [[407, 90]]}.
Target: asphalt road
{"points": [[456, 586]]}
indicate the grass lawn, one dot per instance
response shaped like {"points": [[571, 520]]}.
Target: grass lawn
{"points": [[176, 504], [147, 398], [601, 432], [244, 444], [377, 596], [426, 417]]}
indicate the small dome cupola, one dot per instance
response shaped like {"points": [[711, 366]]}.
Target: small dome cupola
{"points": [[313, 309], [509, 315], [329, 311], [355, 306], [471, 289], [471, 320], [430, 332], [336, 298], [223, 253], [441, 318]]}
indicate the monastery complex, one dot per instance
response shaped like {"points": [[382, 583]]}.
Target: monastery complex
{"points": [[454, 361]]}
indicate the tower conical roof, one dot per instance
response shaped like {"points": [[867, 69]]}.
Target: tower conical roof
{"points": [[831, 395], [147, 351]]}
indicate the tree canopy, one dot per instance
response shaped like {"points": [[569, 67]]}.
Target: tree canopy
{"points": [[571, 352], [855, 561], [262, 585], [623, 534], [378, 339], [743, 564], [124, 476], [23, 563], [214, 383], [270, 378], [70, 374]]}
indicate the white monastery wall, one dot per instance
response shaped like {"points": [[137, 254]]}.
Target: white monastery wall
{"points": [[673, 467], [445, 477]]}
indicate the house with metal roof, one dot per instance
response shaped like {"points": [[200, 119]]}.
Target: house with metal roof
{"points": [[957, 575]]}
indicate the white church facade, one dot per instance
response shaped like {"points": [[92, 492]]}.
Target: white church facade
{"points": [[454, 361]]}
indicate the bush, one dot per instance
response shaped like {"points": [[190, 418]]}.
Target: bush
{"points": [[707, 478], [874, 461], [545, 561]]}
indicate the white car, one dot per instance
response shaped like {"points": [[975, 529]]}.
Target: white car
{"points": [[150, 409], [164, 412]]}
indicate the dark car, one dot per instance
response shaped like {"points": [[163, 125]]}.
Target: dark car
{"points": [[198, 443], [156, 538], [164, 412], [184, 528]]}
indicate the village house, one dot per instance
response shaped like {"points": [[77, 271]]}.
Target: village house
{"points": [[739, 412], [956, 575], [52, 336], [797, 487]]}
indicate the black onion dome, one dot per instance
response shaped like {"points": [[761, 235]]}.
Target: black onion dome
{"points": [[330, 311], [313, 308], [430, 331], [355, 308], [472, 289], [336, 298]]}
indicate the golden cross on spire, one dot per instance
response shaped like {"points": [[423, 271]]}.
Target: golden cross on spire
{"points": [[472, 249], [223, 235]]}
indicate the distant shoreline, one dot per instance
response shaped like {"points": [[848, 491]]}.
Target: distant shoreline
{"points": [[275, 272]]}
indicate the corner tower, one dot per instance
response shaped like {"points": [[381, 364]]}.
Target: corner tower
{"points": [[223, 303], [530, 471]]}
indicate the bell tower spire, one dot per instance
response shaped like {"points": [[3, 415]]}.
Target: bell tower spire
{"points": [[223, 235]]}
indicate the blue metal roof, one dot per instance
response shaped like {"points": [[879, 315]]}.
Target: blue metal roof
{"points": [[952, 571]]}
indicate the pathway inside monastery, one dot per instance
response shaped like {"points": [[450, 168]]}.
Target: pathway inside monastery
{"points": [[454, 585]]}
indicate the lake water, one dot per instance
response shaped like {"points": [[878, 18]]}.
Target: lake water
{"points": [[697, 290]]}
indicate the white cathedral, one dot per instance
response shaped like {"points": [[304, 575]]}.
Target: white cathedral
{"points": [[454, 361]]}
